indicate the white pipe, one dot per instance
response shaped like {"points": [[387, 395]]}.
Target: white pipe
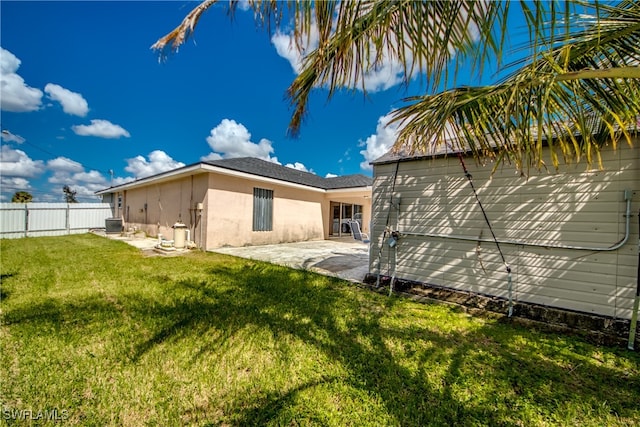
{"points": [[614, 247], [636, 302], [188, 235]]}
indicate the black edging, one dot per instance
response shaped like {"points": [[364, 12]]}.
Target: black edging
{"points": [[598, 329]]}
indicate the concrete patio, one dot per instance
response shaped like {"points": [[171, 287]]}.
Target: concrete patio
{"points": [[345, 258]]}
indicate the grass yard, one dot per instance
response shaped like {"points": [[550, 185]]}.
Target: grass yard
{"points": [[97, 334]]}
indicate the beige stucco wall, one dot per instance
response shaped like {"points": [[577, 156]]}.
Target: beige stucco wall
{"points": [[297, 213], [300, 213], [576, 206], [156, 207]]}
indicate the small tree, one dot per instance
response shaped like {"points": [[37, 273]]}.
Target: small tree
{"points": [[21, 197], [69, 194]]}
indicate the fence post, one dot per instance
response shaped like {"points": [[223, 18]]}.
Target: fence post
{"points": [[66, 220], [26, 220]]}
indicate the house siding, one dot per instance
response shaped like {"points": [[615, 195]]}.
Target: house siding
{"points": [[576, 207]]}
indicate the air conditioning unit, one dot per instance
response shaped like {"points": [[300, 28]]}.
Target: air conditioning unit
{"points": [[113, 225]]}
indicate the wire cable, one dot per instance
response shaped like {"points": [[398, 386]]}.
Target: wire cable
{"points": [[386, 226], [495, 239]]}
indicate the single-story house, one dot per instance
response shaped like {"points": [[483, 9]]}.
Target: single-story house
{"points": [[570, 237], [242, 201]]}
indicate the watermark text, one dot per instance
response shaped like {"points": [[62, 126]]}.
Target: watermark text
{"points": [[54, 414]]}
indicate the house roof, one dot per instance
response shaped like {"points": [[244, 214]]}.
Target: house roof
{"points": [[259, 168], [393, 156], [443, 150], [272, 170]]}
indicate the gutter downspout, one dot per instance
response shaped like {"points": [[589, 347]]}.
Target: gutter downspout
{"points": [[615, 246], [636, 303]]}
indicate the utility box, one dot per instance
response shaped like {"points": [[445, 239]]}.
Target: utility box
{"points": [[113, 225], [179, 235]]}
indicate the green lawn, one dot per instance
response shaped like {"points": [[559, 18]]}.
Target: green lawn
{"points": [[105, 336]]}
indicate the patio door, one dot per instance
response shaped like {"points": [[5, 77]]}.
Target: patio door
{"points": [[341, 213]]}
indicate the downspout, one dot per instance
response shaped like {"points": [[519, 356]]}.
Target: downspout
{"points": [[615, 246], [636, 303]]}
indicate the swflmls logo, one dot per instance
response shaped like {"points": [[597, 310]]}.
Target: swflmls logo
{"points": [[28, 414]]}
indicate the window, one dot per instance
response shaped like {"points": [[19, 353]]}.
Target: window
{"points": [[262, 209]]}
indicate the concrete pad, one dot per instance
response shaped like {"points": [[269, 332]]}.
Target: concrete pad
{"points": [[146, 244], [344, 258], [347, 260]]}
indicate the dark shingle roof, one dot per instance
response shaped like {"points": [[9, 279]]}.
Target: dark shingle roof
{"points": [[347, 181], [267, 169], [393, 156]]}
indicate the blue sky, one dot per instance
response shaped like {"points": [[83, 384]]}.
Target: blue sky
{"points": [[83, 95]]}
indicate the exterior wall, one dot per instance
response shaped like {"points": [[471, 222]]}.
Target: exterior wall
{"points": [[297, 213], [576, 207], [156, 207]]}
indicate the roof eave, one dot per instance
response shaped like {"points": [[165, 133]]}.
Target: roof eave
{"points": [[202, 168], [161, 177]]}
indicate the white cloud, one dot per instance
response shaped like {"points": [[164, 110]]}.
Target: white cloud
{"points": [[230, 139], [62, 177], [72, 102], [10, 137], [299, 166], [91, 177], [158, 162], [211, 156], [71, 173], [286, 47], [120, 180], [101, 129], [16, 163], [15, 95], [386, 135], [387, 74], [63, 164], [244, 5], [388, 70], [84, 192], [379, 143], [330, 175], [14, 183]]}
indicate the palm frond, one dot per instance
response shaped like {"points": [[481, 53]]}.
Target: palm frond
{"points": [[423, 37], [356, 37], [579, 87], [572, 98], [182, 32]]}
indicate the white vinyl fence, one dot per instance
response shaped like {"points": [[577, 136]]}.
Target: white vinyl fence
{"points": [[51, 219]]}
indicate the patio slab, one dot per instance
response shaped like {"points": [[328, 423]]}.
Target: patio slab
{"points": [[346, 259]]}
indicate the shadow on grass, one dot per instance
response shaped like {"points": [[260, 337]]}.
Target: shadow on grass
{"points": [[486, 374], [4, 294], [338, 321]]}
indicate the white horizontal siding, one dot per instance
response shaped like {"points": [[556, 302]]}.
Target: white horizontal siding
{"points": [[575, 207]]}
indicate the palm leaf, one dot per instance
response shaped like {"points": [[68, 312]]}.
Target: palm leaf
{"points": [[573, 98], [578, 88]]}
